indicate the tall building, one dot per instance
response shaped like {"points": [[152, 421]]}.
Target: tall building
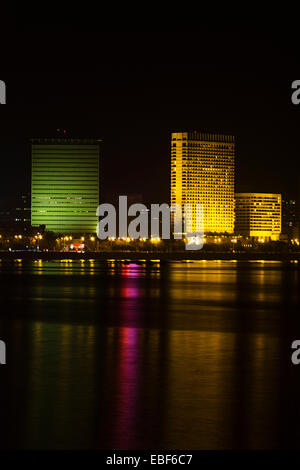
{"points": [[289, 218], [15, 216], [258, 215], [202, 172], [65, 184]]}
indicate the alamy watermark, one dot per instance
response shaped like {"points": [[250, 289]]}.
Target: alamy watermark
{"points": [[2, 353], [296, 354], [180, 222], [296, 94], [2, 92]]}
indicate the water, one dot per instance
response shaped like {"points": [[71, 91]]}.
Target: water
{"points": [[137, 356]]}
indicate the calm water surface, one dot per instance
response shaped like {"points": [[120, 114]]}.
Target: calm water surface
{"points": [[136, 356]]}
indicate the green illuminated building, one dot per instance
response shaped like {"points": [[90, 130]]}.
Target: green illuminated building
{"points": [[65, 184]]}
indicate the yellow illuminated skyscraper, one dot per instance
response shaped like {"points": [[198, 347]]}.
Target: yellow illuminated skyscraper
{"points": [[202, 172], [258, 215]]}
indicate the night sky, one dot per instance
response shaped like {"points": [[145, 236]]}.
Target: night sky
{"points": [[133, 88]]}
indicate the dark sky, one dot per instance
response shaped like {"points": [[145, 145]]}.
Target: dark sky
{"points": [[133, 88]]}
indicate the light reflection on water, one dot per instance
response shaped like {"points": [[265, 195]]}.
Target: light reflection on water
{"points": [[125, 355]]}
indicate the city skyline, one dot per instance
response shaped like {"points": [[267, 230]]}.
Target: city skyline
{"points": [[251, 184], [149, 233], [192, 183]]}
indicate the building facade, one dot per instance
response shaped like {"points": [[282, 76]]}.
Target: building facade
{"points": [[203, 172], [16, 217], [289, 219], [258, 215], [65, 184]]}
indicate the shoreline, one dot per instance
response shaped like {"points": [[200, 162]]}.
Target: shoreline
{"points": [[148, 256]]}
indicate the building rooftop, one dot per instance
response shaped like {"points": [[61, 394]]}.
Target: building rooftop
{"points": [[64, 141], [202, 136]]}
